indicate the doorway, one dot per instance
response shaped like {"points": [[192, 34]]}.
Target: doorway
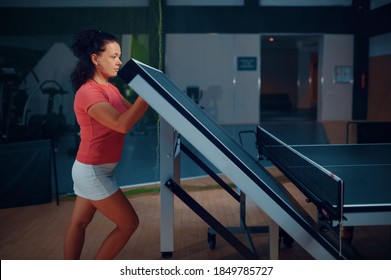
{"points": [[289, 77]]}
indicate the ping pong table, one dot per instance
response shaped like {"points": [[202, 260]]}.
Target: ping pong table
{"points": [[364, 170], [179, 112]]}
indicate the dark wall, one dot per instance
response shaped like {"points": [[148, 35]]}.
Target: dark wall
{"points": [[198, 19], [65, 21]]}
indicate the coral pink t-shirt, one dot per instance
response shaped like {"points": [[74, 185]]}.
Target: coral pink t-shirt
{"points": [[99, 144]]}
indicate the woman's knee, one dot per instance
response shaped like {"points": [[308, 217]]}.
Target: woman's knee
{"points": [[81, 222], [83, 212], [118, 209], [79, 225], [132, 224]]}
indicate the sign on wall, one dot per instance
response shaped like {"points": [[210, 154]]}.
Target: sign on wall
{"points": [[247, 63]]}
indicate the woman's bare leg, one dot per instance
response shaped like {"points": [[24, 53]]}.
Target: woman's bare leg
{"points": [[118, 209], [82, 214]]}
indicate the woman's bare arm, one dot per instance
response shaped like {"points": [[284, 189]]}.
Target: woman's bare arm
{"points": [[126, 103], [105, 113]]}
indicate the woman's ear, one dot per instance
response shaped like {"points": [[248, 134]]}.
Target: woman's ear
{"points": [[94, 59]]}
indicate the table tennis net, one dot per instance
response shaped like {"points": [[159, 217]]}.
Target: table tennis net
{"points": [[319, 185]]}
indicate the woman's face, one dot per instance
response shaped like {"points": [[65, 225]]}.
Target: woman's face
{"points": [[108, 62]]}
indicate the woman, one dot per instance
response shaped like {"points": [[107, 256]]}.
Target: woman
{"points": [[104, 116]]}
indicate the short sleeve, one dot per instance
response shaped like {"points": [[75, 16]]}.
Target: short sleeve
{"points": [[89, 95]]}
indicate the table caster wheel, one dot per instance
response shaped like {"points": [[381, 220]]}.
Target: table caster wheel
{"points": [[212, 240]]}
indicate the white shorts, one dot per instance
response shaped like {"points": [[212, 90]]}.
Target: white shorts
{"points": [[94, 182]]}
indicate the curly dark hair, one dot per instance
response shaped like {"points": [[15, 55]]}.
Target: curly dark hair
{"points": [[87, 42]]}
